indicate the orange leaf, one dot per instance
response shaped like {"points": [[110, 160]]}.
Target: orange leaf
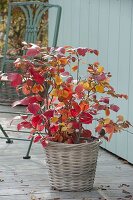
{"points": [[107, 112], [54, 119], [40, 88], [99, 88], [65, 93], [84, 105], [120, 118], [63, 61], [26, 89], [37, 88], [99, 128], [110, 136], [74, 68], [109, 128], [58, 80]]}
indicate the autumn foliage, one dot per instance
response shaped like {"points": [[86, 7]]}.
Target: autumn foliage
{"points": [[62, 107]]}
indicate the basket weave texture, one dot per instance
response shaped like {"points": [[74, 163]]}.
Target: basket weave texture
{"points": [[8, 93], [72, 166]]}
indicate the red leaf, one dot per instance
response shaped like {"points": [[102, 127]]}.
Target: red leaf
{"points": [[82, 51], [36, 76], [74, 112], [85, 118], [34, 108], [86, 133], [54, 128], [73, 59], [70, 141], [24, 117], [40, 127], [79, 89], [33, 50], [15, 78], [101, 107], [65, 74], [75, 124], [69, 79], [25, 101], [44, 143], [61, 50], [19, 126], [36, 120], [106, 138], [49, 113], [24, 125], [37, 138], [76, 107], [96, 52], [104, 100], [100, 77], [115, 108]]}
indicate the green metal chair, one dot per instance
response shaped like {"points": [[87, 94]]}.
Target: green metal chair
{"points": [[33, 11], [32, 22]]}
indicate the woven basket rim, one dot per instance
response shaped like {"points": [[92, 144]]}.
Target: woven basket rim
{"points": [[65, 145]]}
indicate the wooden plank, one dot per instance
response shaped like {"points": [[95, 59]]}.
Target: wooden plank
{"points": [[51, 23], [93, 29], [28, 179], [112, 65], [123, 69], [130, 94], [76, 18], [83, 16], [103, 34]]}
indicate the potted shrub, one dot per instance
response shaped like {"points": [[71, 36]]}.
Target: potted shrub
{"points": [[63, 109]]}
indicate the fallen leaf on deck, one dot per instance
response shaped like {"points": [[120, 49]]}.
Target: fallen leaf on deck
{"points": [[125, 191]]}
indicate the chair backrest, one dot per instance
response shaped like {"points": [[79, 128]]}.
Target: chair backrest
{"points": [[33, 12]]}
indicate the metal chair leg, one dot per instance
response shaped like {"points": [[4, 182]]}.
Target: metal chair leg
{"points": [[5, 134], [28, 152]]}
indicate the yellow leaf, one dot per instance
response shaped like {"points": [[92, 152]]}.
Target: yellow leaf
{"points": [[107, 121], [54, 92], [100, 69], [86, 86], [99, 88], [58, 80], [64, 128], [62, 124], [54, 119]]}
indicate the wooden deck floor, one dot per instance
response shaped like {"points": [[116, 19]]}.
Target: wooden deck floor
{"points": [[28, 179]]}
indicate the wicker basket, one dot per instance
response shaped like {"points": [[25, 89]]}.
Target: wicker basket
{"points": [[72, 166], [8, 93]]}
